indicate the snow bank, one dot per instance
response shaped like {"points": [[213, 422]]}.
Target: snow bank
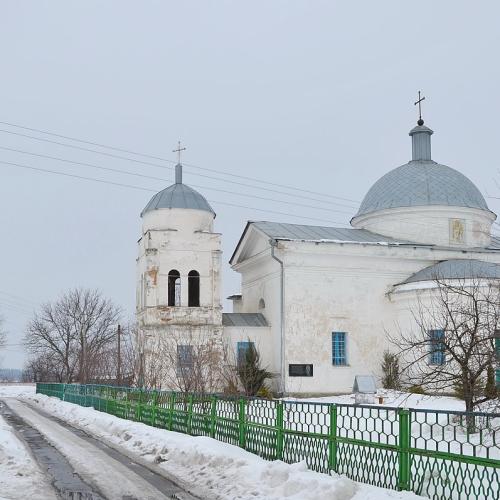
{"points": [[20, 476], [212, 468]]}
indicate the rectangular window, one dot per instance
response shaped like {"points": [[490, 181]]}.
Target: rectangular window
{"points": [[300, 370], [241, 351], [339, 351], [436, 356], [184, 357]]}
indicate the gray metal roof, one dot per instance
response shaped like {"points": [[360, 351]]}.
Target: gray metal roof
{"points": [[495, 243], [178, 195], [243, 319], [302, 232], [422, 183], [457, 269]]}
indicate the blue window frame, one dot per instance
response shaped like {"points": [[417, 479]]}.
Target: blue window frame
{"points": [[241, 351], [436, 356], [339, 350], [184, 357]]}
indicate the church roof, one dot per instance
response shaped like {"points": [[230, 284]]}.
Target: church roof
{"points": [[178, 195], [300, 232], [243, 319], [422, 182], [457, 269]]}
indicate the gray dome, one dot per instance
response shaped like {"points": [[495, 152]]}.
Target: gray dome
{"points": [[422, 183], [178, 195], [457, 269]]}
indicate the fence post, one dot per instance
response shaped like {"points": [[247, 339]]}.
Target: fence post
{"points": [[332, 439], [153, 409], [213, 416], [171, 411], [404, 450], [279, 430], [241, 425], [190, 414], [138, 408]]}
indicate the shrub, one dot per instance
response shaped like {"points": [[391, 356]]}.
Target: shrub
{"points": [[250, 372], [490, 389], [416, 389], [391, 378], [265, 392]]}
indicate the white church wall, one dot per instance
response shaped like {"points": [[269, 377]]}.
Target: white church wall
{"points": [[261, 281], [259, 335], [438, 225], [335, 287]]}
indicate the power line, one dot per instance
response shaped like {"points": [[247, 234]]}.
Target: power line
{"points": [[170, 168], [145, 176], [65, 174], [145, 155]]}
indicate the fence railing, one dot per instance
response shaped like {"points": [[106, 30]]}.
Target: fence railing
{"points": [[430, 452]]}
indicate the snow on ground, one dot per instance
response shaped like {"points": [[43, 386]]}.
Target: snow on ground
{"points": [[16, 390], [20, 476], [207, 465], [397, 399]]}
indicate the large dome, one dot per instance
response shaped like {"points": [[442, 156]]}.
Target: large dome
{"points": [[178, 195], [422, 183]]}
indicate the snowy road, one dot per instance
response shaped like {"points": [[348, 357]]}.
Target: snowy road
{"points": [[102, 472]]}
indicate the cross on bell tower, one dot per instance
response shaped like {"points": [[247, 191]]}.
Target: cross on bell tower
{"points": [[419, 102], [179, 150], [178, 167]]}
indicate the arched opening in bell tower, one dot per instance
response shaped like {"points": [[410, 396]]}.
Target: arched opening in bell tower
{"points": [[194, 289], [174, 288]]}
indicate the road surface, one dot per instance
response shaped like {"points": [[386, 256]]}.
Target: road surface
{"points": [[81, 467]]}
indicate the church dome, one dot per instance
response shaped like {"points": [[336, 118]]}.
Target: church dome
{"points": [[178, 195], [426, 202], [422, 183]]}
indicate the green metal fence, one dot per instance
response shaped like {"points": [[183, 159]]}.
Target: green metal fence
{"points": [[430, 452]]}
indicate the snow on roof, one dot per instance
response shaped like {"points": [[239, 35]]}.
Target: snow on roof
{"points": [[324, 234]]}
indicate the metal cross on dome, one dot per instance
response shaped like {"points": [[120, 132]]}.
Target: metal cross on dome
{"points": [[419, 102], [179, 151]]}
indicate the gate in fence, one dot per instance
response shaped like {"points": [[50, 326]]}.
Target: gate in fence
{"points": [[430, 452]]}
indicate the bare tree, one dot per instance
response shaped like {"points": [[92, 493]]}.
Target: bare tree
{"points": [[73, 332], [41, 368], [104, 367], [185, 361], [3, 335], [453, 344]]}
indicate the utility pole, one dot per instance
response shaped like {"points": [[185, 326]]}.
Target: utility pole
{"points": [[118, 369]]}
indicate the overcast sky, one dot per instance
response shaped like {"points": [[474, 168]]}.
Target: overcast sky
{"points": [[316, 95]]}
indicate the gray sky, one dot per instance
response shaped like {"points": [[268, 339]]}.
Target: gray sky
{"points": [[312, 94]]}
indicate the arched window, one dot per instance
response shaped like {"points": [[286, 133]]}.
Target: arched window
{"points": [[174, 288], [194, 289], [262, 304]]}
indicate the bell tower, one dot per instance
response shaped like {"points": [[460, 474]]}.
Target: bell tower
{"points": [[178, 273]]}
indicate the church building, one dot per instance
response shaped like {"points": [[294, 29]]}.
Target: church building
{"points": [[318, 302]]}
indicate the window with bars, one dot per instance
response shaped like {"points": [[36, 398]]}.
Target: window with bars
{"points": [[241, 351], [184, 358], [436, 356], [339, 348]]}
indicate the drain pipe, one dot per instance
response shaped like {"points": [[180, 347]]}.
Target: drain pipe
{"points": [[274, 244]]}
